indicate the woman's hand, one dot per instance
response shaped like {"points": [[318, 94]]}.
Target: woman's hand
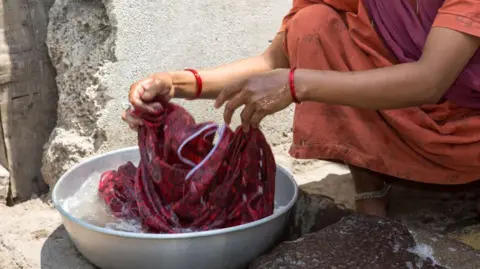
{"points": [[147, 95], [262, 95]]}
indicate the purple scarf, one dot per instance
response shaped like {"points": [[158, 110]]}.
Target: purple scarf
{"points": [[405, 33]]}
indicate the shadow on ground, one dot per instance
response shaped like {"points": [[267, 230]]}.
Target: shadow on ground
{"points": [[447, 210], [442, 209], [58, 252]]}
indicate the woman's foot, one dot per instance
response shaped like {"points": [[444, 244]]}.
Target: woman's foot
{"points": [[372, 192]]}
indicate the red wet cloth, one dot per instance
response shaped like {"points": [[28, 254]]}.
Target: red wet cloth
{"points": [[185, 182]]}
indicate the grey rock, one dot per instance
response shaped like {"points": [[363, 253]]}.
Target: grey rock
{"points": [[312, 213], [365, 242], [448, 210], [4, 184], [81, 44], [441, 209], [447, 251]]}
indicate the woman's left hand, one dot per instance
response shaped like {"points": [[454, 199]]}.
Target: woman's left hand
{"points": [[262, 95]]}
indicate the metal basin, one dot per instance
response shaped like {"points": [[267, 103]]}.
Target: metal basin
{"points": [[229, 248]]}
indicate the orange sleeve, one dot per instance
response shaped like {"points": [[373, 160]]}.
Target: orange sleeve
{"points": [[460, 15]]}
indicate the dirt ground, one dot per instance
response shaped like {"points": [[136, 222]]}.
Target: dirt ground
{"points": [[24, 231]]}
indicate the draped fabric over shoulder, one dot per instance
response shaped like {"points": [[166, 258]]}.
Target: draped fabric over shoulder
{"points": [[433, 144], [405, 28]]}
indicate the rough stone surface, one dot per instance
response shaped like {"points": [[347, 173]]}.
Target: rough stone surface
{"points": [[446, 251], [313, 212], [469, 235], [100, 48], [363, 242], [81, 45], [446, 224], [4, 184], [447, 210], [442, 209]]}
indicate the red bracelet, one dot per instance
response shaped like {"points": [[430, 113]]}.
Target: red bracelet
{"points": [[292, 85], [199, 82]]}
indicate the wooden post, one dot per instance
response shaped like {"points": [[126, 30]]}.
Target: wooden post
{"points": [[28, 94]]}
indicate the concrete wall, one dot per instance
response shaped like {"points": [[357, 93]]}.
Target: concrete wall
{"points": [[100, 48]]}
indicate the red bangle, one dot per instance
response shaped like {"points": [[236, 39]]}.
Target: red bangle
{"points": [[199, 82], [292, 85]]}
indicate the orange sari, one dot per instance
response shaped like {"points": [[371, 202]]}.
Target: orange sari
{"points": [[432, 144]]}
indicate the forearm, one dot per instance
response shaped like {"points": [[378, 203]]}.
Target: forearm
{"points": [[399, 86], [215, 79], [445, 55]]}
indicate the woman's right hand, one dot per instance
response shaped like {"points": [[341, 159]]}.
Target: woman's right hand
{"points": [[146, 95]]}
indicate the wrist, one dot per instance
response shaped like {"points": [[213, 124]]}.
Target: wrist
{"points": [[184, 84], [298, 90], [301, 88]]}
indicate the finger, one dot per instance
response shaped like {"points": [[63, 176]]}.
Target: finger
{"points": [[257, 117], [232, 105], [156, 106], [136, 90], [133, 127], [131, 119], [153, 90], [227, 94], [246, 116]]}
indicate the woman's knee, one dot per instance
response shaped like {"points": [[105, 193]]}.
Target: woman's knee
{"points": [[315, 19]]}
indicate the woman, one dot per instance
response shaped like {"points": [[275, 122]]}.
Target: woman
{"points": [[391, 88]]}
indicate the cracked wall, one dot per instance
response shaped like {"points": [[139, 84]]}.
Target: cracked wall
{"points": [[100, 48]]}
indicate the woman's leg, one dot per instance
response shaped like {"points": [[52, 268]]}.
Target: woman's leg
{"points": [[372, 191]]}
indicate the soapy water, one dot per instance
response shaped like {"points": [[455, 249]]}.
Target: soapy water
{"points": [[87, 205], [425, 252]]}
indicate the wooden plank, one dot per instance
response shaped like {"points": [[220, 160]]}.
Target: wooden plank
{"points": [[28, 95], [3, 146]]}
